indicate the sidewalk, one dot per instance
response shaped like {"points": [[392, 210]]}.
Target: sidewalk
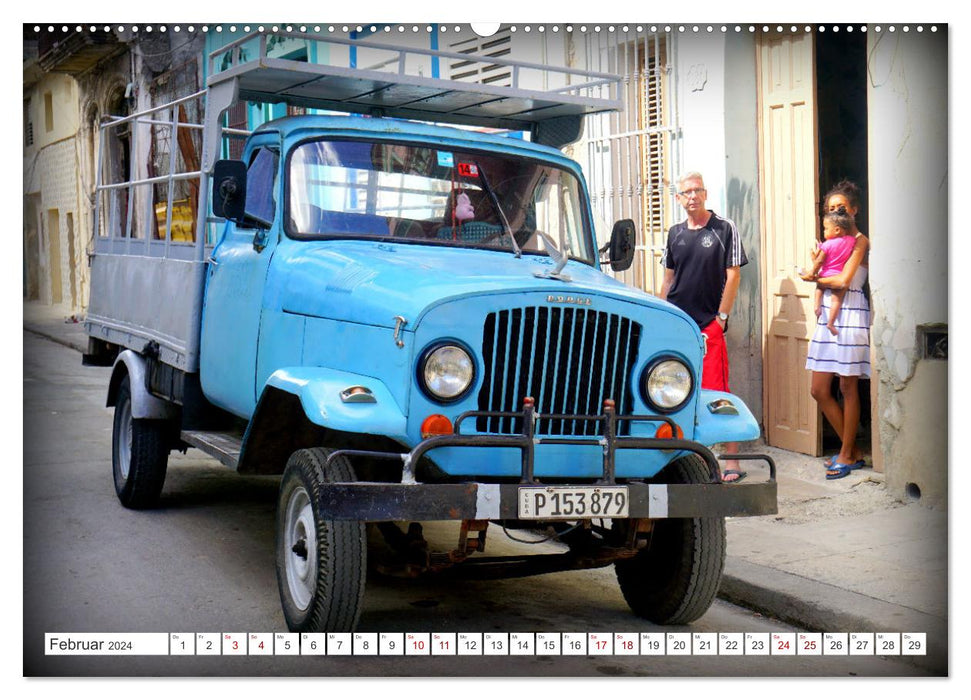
{"points": [[55, 323], [840, 556]]}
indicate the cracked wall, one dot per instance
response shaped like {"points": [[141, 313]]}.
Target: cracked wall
{"points": [[907, 104]]}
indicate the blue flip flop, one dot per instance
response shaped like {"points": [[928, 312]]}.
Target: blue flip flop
{"points": [[830, 461], [838, 471]]}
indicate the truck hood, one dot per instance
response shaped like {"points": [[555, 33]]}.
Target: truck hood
{"points": [[372, 282]]}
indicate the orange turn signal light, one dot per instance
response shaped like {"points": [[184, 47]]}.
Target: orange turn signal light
{"points": [[665, 432], [435, 424]]}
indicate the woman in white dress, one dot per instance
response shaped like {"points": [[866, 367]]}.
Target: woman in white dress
{"points": [[848, 353]]}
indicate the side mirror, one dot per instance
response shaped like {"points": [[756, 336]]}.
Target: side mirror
{"points": [[621, 246], [229, 190]]}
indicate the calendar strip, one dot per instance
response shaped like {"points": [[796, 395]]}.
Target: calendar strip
{"points": [[488, 644]]}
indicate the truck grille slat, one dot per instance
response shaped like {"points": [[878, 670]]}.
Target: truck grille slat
{"points": [[572, 377], [580, 386], [568, 359], [559, 376], [626, 328]]}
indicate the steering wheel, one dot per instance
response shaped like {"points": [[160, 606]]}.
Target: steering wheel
{"points": [[501, 235], [490, 239], [409, 229]]}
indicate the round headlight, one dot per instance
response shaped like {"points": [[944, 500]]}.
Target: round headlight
{"points": [[668, 385], [447, 371]]}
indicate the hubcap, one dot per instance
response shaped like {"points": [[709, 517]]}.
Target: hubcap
{"points": [[300, 547], [124, 440]]}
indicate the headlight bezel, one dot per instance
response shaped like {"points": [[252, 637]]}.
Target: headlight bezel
{"points": [[653, 365], [426, 354]]}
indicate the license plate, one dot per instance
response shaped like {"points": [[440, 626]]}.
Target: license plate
{"points": [[572, 502]]}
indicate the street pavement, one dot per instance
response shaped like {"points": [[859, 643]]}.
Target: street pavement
{"points": [[841, 556]]}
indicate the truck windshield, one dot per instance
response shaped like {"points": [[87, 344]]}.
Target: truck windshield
{"points": [[362, 189]]}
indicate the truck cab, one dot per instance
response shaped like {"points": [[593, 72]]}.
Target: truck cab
{"points": [[351, 257]]}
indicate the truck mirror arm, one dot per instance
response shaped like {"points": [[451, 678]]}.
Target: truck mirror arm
{"points": [[249, 220]]}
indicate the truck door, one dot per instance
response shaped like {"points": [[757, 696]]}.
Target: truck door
{"points": [[235, 289]]}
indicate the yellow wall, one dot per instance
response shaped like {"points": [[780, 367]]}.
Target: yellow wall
{"points": [[64, 101]]}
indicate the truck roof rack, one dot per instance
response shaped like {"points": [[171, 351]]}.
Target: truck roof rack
{"points": [[393, 86]]}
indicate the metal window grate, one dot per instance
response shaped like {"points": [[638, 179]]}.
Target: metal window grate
{"points": [[569, 360], [632, 157], [237, 117], [28, 125], [655, 178]]}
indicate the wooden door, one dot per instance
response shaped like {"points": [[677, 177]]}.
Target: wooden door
{"points": [[788, 179]]}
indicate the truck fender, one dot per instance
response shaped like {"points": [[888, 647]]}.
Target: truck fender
{"points": [[724, 417], [302, 407], [319, 389], [143, 404]]}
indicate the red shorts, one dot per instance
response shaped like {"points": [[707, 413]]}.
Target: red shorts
{"points": [[714, 373]]}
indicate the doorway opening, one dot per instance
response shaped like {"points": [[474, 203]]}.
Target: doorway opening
{"points": [[841, 108], [32, 234], [54, 255]]}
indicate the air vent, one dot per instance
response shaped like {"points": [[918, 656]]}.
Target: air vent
{"points": [[932, 339], [477, 69]]}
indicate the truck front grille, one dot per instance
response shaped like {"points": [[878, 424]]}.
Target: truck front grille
{"points": [[569, 360]]}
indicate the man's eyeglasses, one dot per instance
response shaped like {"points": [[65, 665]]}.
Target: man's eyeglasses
{"points": [[688, 193]]}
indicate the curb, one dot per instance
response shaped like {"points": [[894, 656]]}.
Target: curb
{"points": [[822, 607], [53, 338]]}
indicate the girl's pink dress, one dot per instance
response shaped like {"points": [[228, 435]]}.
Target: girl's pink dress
{"points": [[838, 251]]}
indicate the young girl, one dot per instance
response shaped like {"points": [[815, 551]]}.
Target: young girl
{"points": [[829, 259]]}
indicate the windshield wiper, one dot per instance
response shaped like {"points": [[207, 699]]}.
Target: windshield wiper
{"points": [[502, 215]]}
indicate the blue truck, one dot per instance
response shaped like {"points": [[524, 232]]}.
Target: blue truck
{"points": [[408, 322]]}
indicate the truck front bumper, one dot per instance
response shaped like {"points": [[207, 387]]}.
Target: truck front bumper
{"points": [[377, 502], [411, 501]]}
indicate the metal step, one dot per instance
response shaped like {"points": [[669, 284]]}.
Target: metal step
{"points": [[223, 445]]}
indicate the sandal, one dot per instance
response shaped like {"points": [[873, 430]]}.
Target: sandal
{"points": [[830, 461], [739, 476], [838, 471]]}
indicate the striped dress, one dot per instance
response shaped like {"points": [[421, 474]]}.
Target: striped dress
{"points": [[848, 352]]}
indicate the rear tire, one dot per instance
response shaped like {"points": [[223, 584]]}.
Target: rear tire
{"points": [[139, 453], [675, 579], [321, 564]]}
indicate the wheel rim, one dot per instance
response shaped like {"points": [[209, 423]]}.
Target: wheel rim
{"points": [[124, 440], [301, 548]]}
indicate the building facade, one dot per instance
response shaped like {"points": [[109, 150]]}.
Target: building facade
{"points": [[771, 118], [53, 240]]}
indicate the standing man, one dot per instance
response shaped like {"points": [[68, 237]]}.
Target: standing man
{"points": [[703, 261]]}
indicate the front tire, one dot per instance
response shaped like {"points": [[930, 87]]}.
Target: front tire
{"points": [[675, 579], [139, 453], [321, 564]]}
